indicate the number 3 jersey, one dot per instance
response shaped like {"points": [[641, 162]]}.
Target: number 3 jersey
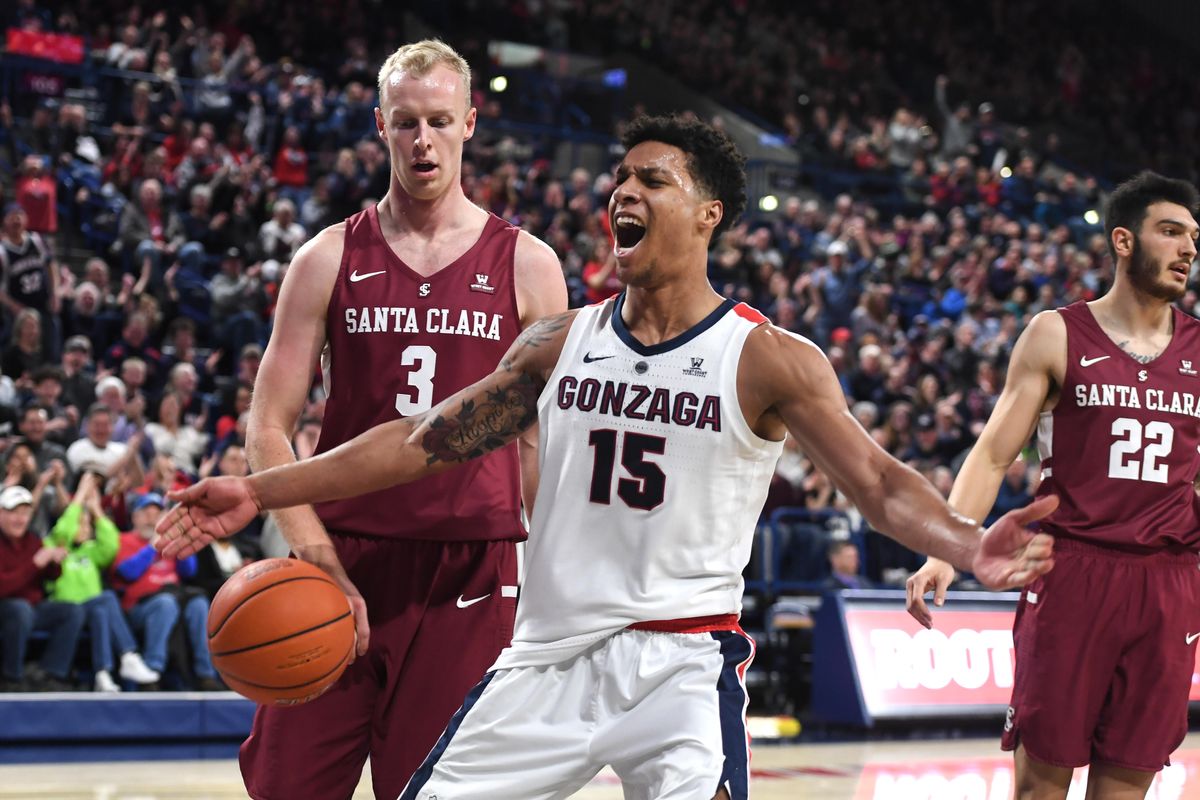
{"points": [[1120, 446], [398, 344], [651, 483]]}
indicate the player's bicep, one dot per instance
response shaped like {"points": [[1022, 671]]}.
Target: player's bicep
{"points": [[541, 288], [814, 410]]}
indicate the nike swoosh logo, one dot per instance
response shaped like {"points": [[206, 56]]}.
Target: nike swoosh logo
{"points": [[1084, 361], [468, 603], [1191, 638], [355, 277], [589, 358]]}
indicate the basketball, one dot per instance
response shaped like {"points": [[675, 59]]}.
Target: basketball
{"points": [[280, 632]]}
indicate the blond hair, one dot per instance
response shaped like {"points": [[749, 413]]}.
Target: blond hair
{"points": [[418, 58]]}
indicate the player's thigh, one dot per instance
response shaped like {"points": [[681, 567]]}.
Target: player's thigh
{"points": [[316, 749], [685, 737], [1147, 715], [521, 734], [1108, 782], [1065, 660]]}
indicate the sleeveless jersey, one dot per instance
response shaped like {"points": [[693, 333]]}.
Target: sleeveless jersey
{"points": [[398, 343], [1120, 446], [651, 483], [26, 271]]}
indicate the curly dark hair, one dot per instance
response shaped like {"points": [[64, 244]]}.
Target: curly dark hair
{"points": [[714, 161], [1130, 202]]}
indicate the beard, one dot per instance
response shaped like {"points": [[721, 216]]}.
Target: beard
{"points": [[1146, 276]]}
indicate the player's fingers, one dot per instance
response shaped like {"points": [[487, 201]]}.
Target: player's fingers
{"points": [[1042, 507], [189, 494], [939, 589], [168, 525], [362, 627]]}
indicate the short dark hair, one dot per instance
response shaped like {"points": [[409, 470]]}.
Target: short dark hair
{"points": [[48, 372], [98, 408], [838, 545], [1130, 202], [714, 161]]}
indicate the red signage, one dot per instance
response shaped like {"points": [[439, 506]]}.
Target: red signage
{"points": [[966, 660], [52, 46]]}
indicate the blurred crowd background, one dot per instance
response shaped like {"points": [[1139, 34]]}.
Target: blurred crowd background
{"points": [[948, 167]]}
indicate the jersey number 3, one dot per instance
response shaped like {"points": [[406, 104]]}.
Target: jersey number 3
{"points": [[419, 398], [1157, 437], [648, 486]]}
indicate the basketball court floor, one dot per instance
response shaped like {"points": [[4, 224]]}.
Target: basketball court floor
{"points": [[932, 770]]}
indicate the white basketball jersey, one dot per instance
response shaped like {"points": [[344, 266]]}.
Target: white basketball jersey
{"points": [[651, 483]]}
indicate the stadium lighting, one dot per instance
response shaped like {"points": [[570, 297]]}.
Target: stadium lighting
{"points": [[1091, 217], [1005, 172], [768, 202], [499, 83]]}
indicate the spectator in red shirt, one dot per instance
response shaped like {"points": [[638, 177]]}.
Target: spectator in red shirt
{"points": [[154, 597], [26, 563], [291, 162], [38, 195]]}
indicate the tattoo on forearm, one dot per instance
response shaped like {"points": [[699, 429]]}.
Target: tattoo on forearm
{"points": [[481, 428], [1138, 357]]}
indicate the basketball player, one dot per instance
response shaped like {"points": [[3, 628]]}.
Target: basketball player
{"points": [[661, 415], [1105, 643], [406, 303]]}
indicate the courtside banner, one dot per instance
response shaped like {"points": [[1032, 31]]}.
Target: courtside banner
{"points": [[873, 661]]}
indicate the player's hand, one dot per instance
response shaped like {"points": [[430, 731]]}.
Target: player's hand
{"points": [[1011, 556], [934, 574], [214, 508], [325, 557]]}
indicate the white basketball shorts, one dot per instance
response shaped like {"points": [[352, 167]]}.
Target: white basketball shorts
{"points": [[666, 710]]}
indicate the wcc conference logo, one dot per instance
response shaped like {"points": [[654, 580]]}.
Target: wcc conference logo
{"points": [[481, 284], [695, 369]]}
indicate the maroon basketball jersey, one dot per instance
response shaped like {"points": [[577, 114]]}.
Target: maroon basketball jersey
{"points": [[1120, 447], [398, 344]]}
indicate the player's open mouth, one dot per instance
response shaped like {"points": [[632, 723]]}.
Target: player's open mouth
{"points": [[628, 230], [1181, 269], [423, 166]]}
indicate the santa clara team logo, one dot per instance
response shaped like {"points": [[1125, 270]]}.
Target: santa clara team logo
{"points": [[481, 285], [1186, 369]]}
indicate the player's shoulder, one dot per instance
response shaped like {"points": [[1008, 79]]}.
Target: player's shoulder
{"points": [[534, 260]]}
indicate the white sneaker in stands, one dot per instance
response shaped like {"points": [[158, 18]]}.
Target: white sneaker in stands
{"points": [[105, 682], [134, 669]]}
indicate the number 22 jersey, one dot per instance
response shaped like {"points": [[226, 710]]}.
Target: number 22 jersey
{"points": [[650, 488], [1120, 446]]}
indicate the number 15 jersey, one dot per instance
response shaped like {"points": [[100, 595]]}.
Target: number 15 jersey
{"points": [[650, 487], [1120, 446]]}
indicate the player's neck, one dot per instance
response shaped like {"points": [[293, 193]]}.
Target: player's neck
{"points": [[1132, 313], [658, 314], [403, 213]]}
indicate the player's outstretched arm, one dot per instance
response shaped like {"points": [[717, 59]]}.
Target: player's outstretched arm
{"points": [[787, 379], [1038, 356], [475, 421]]}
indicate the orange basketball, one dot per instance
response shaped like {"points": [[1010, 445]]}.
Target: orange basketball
{"points": [[280, 631]]}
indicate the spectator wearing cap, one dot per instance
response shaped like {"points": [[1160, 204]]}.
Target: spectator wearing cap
{"points": [[153, 594], [98, 452], [79, 383], [238, 300], [925, 451], [26, 563], [30, 275], [835, 288]]}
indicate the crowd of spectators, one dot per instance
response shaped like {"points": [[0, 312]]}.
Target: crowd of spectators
{"points": [[930, 231]]}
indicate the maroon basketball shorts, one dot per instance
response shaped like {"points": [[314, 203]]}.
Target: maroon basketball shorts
{"points": [[1105, 647], [440, 614]]}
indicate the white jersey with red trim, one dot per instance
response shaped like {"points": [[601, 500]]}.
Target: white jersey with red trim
{"points": [[651, 483]]}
